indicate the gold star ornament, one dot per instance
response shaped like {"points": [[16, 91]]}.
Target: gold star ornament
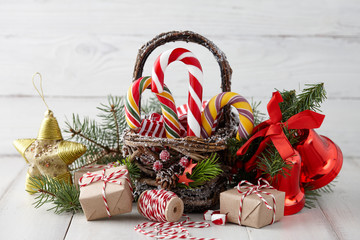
{"points": [[49, 154]]}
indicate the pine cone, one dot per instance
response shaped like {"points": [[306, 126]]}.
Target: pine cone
{"points": [[166, 178]]}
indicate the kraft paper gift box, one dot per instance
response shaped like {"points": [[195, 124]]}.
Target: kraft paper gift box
{"points": [[254, 211], [93, 168], [119, 197]]}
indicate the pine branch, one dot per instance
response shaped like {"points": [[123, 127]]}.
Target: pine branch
{"points": [[258, 116], [309, 99], [133, 169], [311, 196], [64, 196], [271, 162], [204, 171], [151, 106]]}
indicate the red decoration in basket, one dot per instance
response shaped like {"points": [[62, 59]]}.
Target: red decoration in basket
{"points": [[272, 130], [183, 178], [164, 155]]}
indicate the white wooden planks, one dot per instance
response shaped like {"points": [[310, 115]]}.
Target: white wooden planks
{"points": [[101, 65], [319, 18], [18, 218], [341, 207]]}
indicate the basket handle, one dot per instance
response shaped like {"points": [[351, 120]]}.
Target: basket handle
{"points": [[186, 36]]}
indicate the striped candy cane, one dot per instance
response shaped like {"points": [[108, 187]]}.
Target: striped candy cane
{"points": [[213, 109], [168, 108], [111, 178], [195, 83], [256, 189]]}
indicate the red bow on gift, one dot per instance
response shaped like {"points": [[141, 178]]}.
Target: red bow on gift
{"points": [[272, 130]]}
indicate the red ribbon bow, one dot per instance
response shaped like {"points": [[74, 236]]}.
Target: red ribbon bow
{"points": [[256, 189], [272, 130]]}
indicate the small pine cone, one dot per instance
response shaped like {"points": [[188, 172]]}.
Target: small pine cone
{"points": [[167, 178]]}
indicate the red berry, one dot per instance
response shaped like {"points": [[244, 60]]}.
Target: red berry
{"points": [[164, 155], [157, 166], [184, 162]]}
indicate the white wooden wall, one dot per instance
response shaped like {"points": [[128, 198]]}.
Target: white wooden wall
{"points": [[86, 50]]}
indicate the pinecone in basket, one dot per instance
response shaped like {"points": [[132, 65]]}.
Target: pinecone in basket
{"points": [[166, 178]]}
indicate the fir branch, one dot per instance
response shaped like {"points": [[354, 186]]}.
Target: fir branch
{"points": [[151, 106], [309, 99], [204, 171], [271, 162], [311, 196], [64, 196], [258, 115], [133, 169]]}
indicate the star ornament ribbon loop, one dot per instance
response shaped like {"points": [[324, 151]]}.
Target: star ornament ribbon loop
{"points": [[272, 130], [256, 189], [113, 177]]}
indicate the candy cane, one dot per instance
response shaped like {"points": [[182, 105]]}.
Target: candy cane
{"points": [[214, 107], [168, 108], [195, 83]]}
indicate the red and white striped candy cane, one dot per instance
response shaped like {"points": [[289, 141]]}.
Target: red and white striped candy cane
{"points": [[195, 83], [251, 188], [111, 178]]}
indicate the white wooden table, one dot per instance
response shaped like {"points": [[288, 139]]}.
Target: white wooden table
{"points": [[86, 50]]}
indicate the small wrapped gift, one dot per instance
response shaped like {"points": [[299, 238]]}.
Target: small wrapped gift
{"points": [[115, 199], [253, 205], [92, 168]]}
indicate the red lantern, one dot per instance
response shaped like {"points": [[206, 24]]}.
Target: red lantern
{"points": [[290, 184], [321, 160]]}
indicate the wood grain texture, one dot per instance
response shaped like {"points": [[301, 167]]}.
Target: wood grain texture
{"points": [[341, 207], [19, 218], [260, 17], [97, 66]]}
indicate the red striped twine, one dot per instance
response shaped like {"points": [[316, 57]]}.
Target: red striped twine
{"points": [[111, 178], [152, 205], [251, 188]]}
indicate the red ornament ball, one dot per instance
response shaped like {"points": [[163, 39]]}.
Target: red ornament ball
{"points": [[164, 155], [184, 162], [157, 166]]}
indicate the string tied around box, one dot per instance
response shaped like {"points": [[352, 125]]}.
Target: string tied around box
{"points": [[164, 209], [113, 177], [256, 189]]}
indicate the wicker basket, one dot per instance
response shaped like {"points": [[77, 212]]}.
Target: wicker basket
{"points": [[144, 150]]}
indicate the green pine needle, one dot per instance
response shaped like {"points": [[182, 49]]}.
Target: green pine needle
{"points": [[258, 116], [311, 196], [204, 171], [151, 106], [64, 196], [133, 169], [271, 162], [309, 99]]}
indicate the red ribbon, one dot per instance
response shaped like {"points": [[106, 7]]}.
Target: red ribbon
{"points": [[272, 130]]}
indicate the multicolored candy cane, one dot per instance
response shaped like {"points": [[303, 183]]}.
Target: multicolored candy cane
{"points": [[195, 83], [214, 107], [168, 108]]}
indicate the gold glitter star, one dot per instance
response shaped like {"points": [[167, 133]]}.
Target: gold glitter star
{"points": [[49, 154]]}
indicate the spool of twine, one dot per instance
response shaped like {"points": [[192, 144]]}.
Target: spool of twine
{"points": [[160, 206]]}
